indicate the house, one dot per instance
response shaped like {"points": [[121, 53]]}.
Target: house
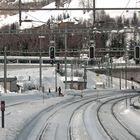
{"points": [[11, 84], [77, 83]]}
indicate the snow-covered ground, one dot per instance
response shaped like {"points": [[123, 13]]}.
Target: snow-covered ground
{"points": [[31, 76], [25, 111]]}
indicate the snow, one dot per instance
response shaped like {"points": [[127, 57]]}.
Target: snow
{"points": [[42, 16], [38, 19], [17, 116], [129, 117], [25, 112]]}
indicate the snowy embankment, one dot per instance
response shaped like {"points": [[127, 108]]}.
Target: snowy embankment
{"points": [[18, 116], [129, 115]]}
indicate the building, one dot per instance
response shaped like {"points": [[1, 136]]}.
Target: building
{"points": [[77, 83], [11, 84]]}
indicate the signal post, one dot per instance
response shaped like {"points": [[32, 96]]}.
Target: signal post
{"points": [[2, 113]]}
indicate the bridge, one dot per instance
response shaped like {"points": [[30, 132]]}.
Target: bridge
{"points": [[128, 72], [116, 70]]}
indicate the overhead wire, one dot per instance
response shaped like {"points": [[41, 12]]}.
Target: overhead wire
{"points": [[125, 7], [37, 20]]}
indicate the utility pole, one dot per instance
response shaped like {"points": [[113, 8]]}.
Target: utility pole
{"points": [[65, 57], [126, 62], [85, 76], [94, 12], [56, 78], [111, 61], [126, 73], [120, 79], [5, 70], [20, 21], [40, 62], [71, 75]]}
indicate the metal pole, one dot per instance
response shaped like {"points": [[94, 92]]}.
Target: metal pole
{"points": [[85, 77], [108, 71], [94, 12], [20, 21], [126, 100], [56, 78], [126, 59], [2, 118], [40, 67], [111, 72], [126, 55], [126, 73], [126, 63], [120, 79], [40, 62], [65, 58], [71, 75], [5, 70]]}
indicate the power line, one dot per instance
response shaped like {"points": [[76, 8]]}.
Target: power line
{"points": [[125, 7], [57, 9]]}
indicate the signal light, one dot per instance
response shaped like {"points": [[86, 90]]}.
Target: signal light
{"points": [[2, 105], [137, 52], [52, 52], [58, 67], [92, 52]]}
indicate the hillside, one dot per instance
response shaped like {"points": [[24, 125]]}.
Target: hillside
{"points": [[10, 4], [41, 17]]}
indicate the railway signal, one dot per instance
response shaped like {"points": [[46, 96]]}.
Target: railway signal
{"points": [[137, 52], [52, 52], [92, 52], [2, 110], [58, 67]]}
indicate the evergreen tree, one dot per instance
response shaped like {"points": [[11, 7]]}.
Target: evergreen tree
{"points": [[64, 16], [134, 20], [126, 22], [119, 23]]}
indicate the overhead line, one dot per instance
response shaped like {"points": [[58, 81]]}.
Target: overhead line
{"points": [[125, 7], [33, 9]]}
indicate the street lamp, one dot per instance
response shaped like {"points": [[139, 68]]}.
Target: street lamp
{"points": [[40, 62]]}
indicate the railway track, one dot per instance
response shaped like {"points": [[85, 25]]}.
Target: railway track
{"points": [[113, 127], [56, 121], [81, 102], [52, 113]]}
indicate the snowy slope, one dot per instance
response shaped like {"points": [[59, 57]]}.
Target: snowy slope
{"points": [[41, 17]]}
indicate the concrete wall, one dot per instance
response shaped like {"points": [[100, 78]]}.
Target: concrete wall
{"points": [[121, 72], [135, 73]]}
